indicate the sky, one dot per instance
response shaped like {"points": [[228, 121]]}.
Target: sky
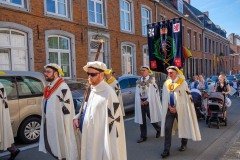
{"points": [[225, 13]]}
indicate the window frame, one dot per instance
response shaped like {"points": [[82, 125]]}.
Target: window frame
{"points": [[11, 48], [131, 16], [72, 57], [132, 55], [25, 6], [145, 47], [103, 7], [68, 8], [149, 19]]}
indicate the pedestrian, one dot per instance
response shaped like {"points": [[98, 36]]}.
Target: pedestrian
{"points": [[223, 86], [57, 114], [178, 111], [6, 134], [100, 120], [147, 102], [235, 86], [111, 80], [194, 81]]}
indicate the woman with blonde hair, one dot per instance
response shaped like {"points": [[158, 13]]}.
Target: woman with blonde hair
{"points": [[223, 87]]}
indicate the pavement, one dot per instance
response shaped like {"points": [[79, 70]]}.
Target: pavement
{"points": [[233, 151]]}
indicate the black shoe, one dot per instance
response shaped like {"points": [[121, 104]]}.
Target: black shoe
{"points": [[182, 148], [165, 154], [141, 140], [14, 154], [158, 134]]}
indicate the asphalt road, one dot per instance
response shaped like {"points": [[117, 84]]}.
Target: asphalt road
{"points": [[215, 142]]}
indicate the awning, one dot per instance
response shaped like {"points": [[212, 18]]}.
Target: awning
{"points": [[186, 53]]}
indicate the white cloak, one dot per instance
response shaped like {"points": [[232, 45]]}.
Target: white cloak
{"points": [[6, 134], [103, 133], [59, 126], [155, 105], [187, 123], [116, 87]]}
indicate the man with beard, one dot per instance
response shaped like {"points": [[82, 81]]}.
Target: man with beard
{"points": [[57, 114], [100, 120], [6, 134], [178, 111]]}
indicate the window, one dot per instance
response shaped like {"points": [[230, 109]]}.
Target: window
{"points": [[206, 50], [213, 47], [16, 4], [125, 14], [199, 42], [145, 20], [128, 59], [10, 87], [95, 12], [59, 53], [209, 46], [189, 38], [29, 87], [59, 8], [13, 50], [195, 41], [145, 55]]}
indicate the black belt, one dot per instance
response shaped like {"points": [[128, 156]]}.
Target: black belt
{"points": [[143, 99]]}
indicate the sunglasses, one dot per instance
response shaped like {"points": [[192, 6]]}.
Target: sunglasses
{"points": [[171, 72], [92, 74]]}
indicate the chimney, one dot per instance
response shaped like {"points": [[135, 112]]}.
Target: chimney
{"points": [[206, 13], [188, 1]]}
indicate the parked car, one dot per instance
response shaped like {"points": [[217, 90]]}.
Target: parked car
{"points": [[128, 87], [230, 79], [213, 78], [24, 93]]}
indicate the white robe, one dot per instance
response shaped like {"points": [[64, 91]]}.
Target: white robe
{"points": [[155, 105], [59, 126], [6, 134], [187, 123], [103, 135], [116, 87]]}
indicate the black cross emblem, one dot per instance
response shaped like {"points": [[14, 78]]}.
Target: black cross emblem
{"points": [[117, 89], [61, 99], [2, 93], [113, 117]]}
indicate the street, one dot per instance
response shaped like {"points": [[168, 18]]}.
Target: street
{"points": [[214, 144]]}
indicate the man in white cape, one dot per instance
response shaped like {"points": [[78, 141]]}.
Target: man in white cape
{"points": [[147, 102], [102, 133], [57, 114], [115, 86], [178, 111], [6, 134]]}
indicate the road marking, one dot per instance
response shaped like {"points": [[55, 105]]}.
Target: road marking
{"points": [[3, 154], [129, 119], [21, 149]]}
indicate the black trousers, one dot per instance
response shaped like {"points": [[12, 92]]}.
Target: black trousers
{"points": [[168, 131], [143, 127]]}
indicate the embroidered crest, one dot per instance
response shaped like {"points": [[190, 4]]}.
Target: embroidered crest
{"points": [[61, 99], [113, 118], [2, 93]]}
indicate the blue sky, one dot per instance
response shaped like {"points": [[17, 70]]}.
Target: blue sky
{"points": [[225, 13]]}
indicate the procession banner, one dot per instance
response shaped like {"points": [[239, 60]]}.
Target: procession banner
{"points": [[165, 45]]}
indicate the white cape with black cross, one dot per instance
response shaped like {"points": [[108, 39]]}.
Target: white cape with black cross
{"points": [[59, 127], [103, 133], [6, 134]]}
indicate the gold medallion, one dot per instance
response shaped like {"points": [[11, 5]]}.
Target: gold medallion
{"points": [[171, 87]]}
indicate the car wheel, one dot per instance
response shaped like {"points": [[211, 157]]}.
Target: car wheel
{"points": [[29, 131]]}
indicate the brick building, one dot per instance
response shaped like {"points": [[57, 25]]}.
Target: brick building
{"points": [[33, 33], [234, 53]]}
